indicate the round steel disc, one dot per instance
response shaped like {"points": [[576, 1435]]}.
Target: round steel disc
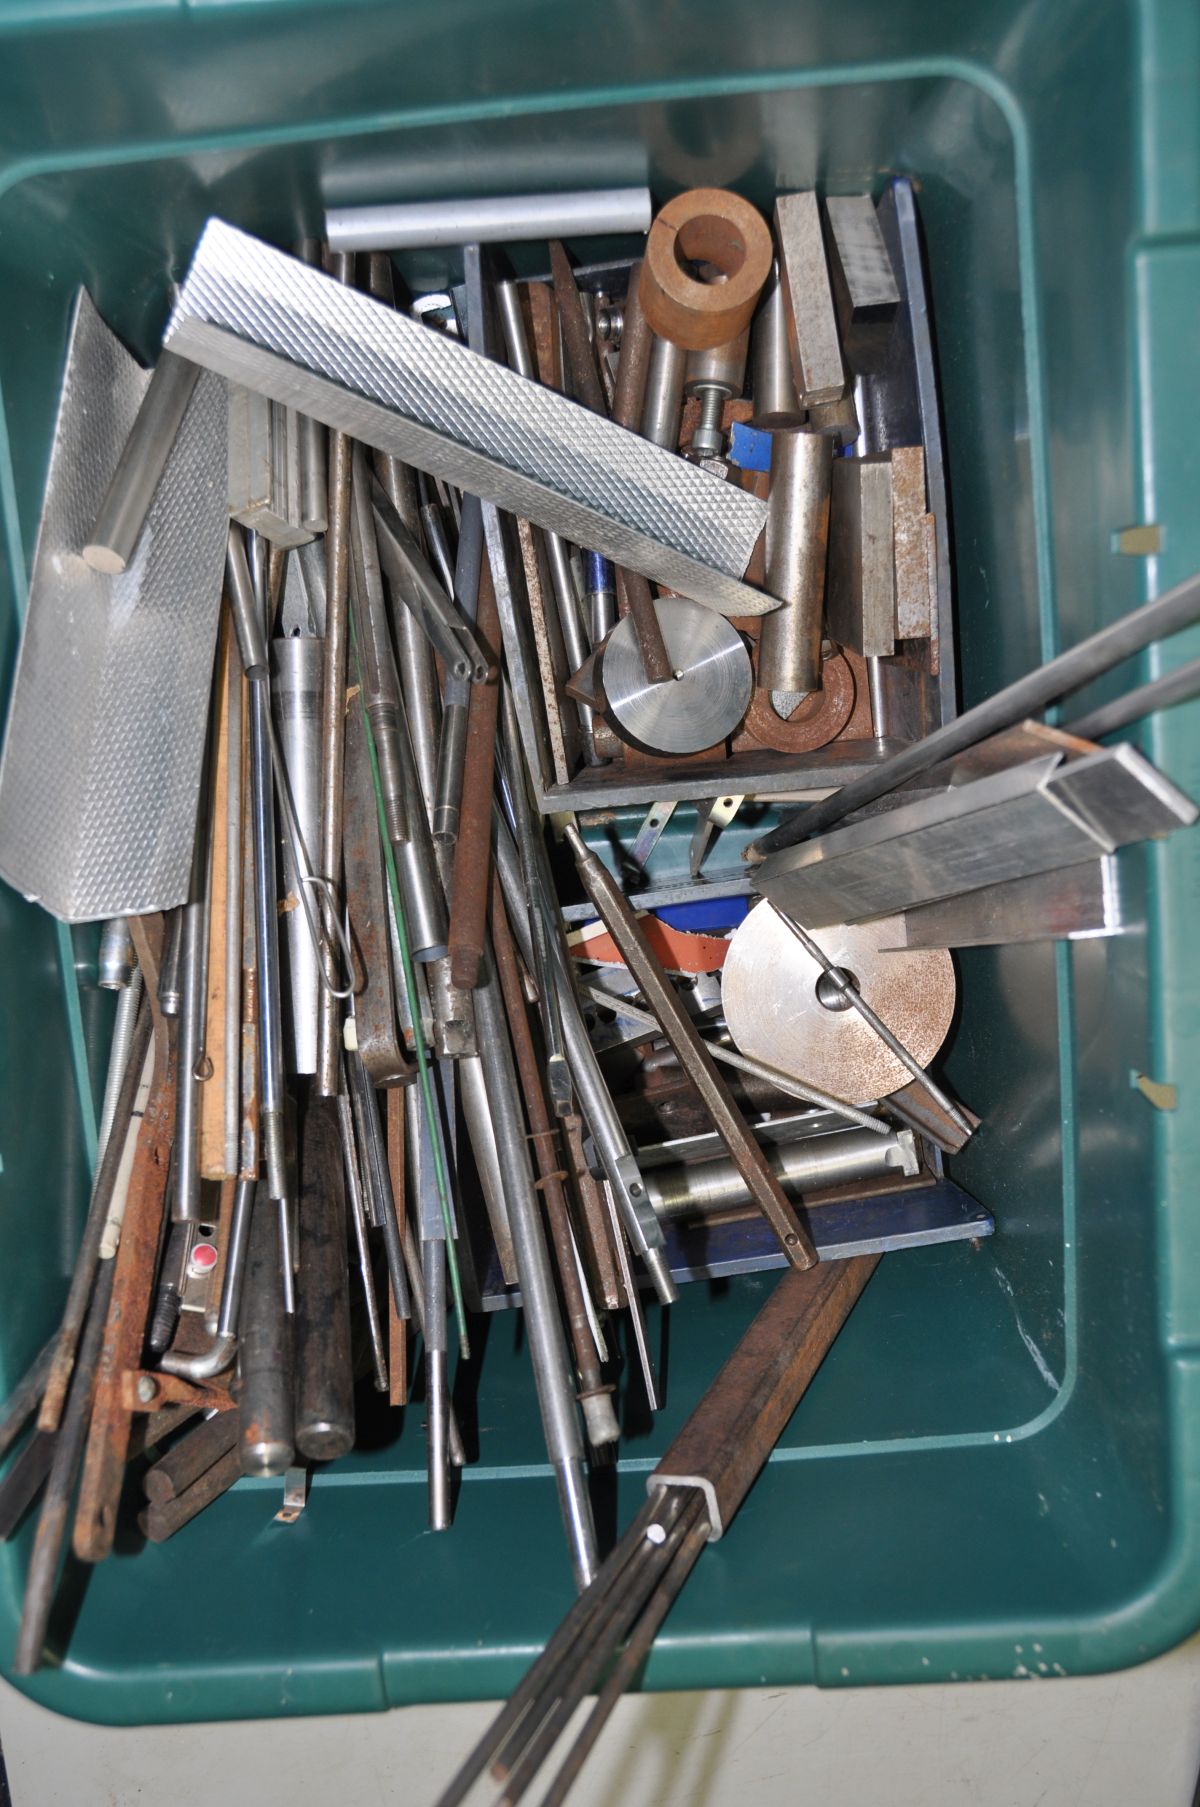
{"points": [[704, 702], [769, 991]]}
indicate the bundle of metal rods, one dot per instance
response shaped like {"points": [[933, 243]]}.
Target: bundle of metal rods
{"points": [[357, 1091], [357, 1055], [694, 1493]]}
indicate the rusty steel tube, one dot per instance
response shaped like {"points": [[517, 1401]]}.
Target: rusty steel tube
{"points": [[470, 876]]}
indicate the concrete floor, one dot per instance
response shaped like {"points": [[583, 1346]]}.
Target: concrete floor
{"points": [[1129, 1740]]}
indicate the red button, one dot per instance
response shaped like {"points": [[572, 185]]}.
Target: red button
{"points": [[204, 1258]]}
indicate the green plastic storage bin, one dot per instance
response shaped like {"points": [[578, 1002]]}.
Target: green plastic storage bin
{"points": [[996, 1472]]}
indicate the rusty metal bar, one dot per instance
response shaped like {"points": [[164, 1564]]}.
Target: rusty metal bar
{"points": [[694, 1057], [469, 884], [134, 1267], [84, 1275], [184, 1463]]}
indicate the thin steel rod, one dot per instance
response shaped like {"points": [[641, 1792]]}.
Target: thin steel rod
{"points": [[333, 711], [25, 1397], [358, 1219], [890, 1040], [595, 1399], [729, 1057], [1178, 686], [594, 1647], [534, 1681], [620, 1677], [67, 1338], [1168, 614], [51, 1531]]}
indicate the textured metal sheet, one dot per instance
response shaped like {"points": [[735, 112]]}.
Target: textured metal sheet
{"points": [[101, 766], [260, 318]]}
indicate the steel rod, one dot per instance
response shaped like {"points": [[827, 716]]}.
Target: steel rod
{"points": [[333, 712], [1167, 614], [122, 514]]}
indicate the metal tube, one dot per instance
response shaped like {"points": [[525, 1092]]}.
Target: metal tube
{"points": [[473, 1098], [128, 1005], [333, 714], [489, 220], [437, 1382], [122, 514], [115, 964], [692, 1189], [420, 885], [789, 642], [776, 403], [418, 674], [266, 1412], [266, 925], [601, 596], [547, 1345], [663, 401], [168, 972], [452, 749], [324, 1369], [296, 666], [1168, 614]]}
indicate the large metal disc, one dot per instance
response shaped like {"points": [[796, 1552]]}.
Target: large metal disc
{"points": [[704, 702], [769, 992]]}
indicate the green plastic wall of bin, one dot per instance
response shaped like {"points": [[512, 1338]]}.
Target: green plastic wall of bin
{"points": [[996, 1471]]}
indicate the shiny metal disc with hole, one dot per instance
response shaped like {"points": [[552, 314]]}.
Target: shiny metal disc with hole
{"points": [[769, 992], [705, 700]]}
